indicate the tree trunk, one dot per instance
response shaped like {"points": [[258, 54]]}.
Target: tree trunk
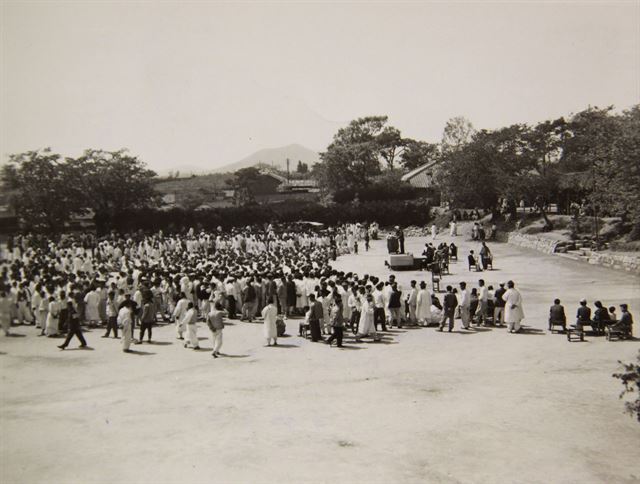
{"points": [[548, 225]]}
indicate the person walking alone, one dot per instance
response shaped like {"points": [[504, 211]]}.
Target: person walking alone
{"points": [[73, 323], [215, 321]]}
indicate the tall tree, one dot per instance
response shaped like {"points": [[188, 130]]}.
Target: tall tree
{"points": [[302, 168], [458, 132], [417, 153], [45, 196], [242, 183], [112, 181], [352, 159]]}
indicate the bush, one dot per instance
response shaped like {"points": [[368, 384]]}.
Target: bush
{"points": [[631, 381], [385, 213]]}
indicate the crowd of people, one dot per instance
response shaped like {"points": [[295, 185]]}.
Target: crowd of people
{"points": [[134, 282]]}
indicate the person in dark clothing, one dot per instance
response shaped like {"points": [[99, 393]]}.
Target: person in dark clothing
{"points": [[498, 309], [146, 321], [556, 315], [395, 303], [448, 309], [583, 316], [600, 317], [73, 324], [314, 320], [400, 235], [337, 322], [291, 295]]}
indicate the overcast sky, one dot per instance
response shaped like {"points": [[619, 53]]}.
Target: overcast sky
{"points": [[209, 83]]}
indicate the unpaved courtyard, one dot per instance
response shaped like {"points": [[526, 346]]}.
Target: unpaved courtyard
{"points": [[419, 406]]}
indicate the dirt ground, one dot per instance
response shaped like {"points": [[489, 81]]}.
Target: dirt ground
{"points": [[419, 406]]}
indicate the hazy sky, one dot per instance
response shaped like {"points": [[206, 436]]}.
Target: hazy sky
{"points": [[208, 83]]}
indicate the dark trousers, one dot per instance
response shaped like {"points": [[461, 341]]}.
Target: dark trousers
{"points": [[74, 330], [355, 319], [401, 246], [447, 315], [143, 327], [112, 324], [337, 335], [378, 318], [231, 307], [314, 326]]}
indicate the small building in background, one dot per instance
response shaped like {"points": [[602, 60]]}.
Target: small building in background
{"points": [[421, 177]]}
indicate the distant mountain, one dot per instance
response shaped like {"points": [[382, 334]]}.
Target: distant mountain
{"points": [[277, 157]]}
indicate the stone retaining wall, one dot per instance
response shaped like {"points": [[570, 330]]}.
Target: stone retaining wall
{"points": [[548, 246], [629, 263]]}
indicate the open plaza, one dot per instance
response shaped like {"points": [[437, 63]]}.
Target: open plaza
{"points": [[479, 405]]}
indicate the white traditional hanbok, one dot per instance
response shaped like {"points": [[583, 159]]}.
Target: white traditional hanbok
{"points": [[92, 309], [270, 314], [365, 325], [51, 325], [423, 305], [513, 312]]}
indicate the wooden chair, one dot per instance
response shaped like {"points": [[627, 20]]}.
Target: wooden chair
{"points": [[617, 331], [436, 277], [575, 333], [553, 324], [304, 330], [444, 266]]}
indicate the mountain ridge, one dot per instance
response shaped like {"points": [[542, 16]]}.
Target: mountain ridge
{"points": [[277, 157]]}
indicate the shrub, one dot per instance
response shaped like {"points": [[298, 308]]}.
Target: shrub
{"points": [[631, 381], [384, 212]]}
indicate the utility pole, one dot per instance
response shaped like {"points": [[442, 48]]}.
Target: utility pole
{"points": [[288, 161]]}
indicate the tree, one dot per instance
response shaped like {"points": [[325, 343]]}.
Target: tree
{"points": [[457, 133], [242, 182], [418, 153], [390, 145], [45, 194], [352, 159], [302, 168], [631, 381], [111, 182]]}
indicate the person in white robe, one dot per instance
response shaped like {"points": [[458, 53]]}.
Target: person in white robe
{"points": [[190, 321], [412, 302], [125, 320], [92, 308], [513, 312], [178, 315], [42, 313], [423, 304], [366, 326], [51, 324], [5, 313], [270, 314]]}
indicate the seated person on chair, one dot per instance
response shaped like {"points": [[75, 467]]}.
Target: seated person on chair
{"points": [[556, 315], [600, 316], [472, 261], [453, 251], [626, 322], [583, 315]]}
